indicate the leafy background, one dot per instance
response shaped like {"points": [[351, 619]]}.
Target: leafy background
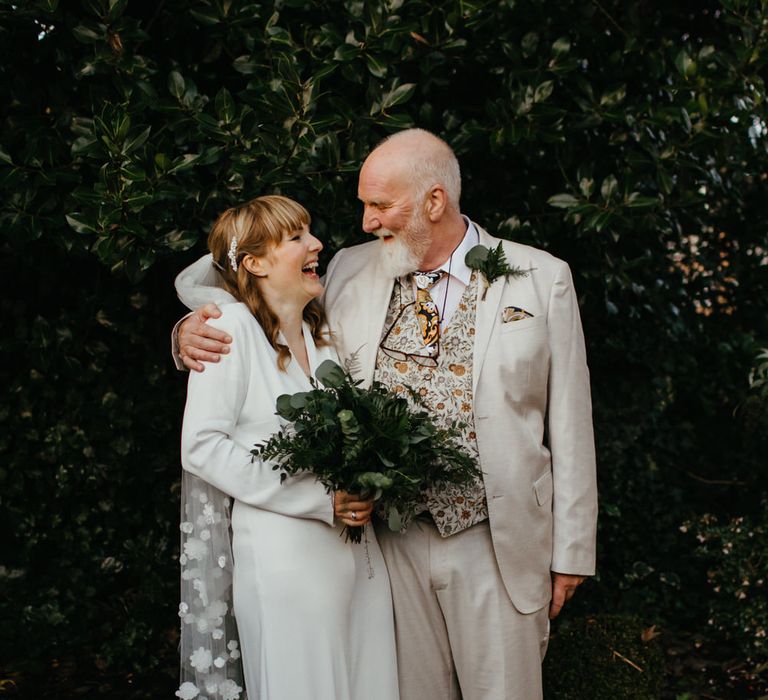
{"points": [[627, 137]]}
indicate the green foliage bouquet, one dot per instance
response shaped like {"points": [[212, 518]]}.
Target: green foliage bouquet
{"points": [[367, 441]]}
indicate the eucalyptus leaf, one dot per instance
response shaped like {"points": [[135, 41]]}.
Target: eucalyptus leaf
{"points": [[284, 406], [299, 400], [476, 255], [329, 374], [394, 520]]}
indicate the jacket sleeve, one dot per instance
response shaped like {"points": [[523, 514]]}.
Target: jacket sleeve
{"points": [[215, 445], [197, 285], [570, 434]]}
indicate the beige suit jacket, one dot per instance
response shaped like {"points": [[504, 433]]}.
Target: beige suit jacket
{"points": [[532, 408]]}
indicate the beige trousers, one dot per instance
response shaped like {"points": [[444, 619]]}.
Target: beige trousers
{"points": [[458, 635]]}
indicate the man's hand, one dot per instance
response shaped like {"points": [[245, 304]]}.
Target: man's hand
{"points": [[199, 342], [563, 588]]}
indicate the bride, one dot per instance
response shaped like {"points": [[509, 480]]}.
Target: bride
{"points": [[312, 624]]}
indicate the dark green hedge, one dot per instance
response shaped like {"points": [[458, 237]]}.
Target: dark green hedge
{"points": [[604, 658], [626, 137]]}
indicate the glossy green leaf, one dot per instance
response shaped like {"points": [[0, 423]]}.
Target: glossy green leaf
{"points": [[176, 84], [563, 201], [543, 91], [376, 67], [178, 240], [225, 105], [87, 35], [561, 46], [530, 43], [245, 65], [402, 93], [686, 66], [636, 201], [81, 223], [608, 187]]}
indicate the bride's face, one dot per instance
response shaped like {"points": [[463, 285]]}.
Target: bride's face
{"points": [[289, 270]]}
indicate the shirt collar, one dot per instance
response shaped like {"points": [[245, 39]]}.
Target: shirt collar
{"points": [[459, 269]]}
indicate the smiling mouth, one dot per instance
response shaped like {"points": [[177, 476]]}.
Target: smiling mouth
{"points": [[310, 269]]}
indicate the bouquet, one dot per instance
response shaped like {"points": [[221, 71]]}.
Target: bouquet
{"points": [[366, 441]]}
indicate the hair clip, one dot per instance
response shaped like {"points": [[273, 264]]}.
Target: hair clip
{"points": [[232, 254]]}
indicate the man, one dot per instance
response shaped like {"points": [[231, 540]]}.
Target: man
{"points": [[476, 578]]}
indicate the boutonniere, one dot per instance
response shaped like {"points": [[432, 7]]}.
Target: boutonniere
{"points": [[493, 264]]}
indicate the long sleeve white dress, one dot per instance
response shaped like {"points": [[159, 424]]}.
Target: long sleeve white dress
{"points": [[312, 624]]}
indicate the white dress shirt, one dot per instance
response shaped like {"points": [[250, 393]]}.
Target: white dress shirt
{"points": [[448, 291]]}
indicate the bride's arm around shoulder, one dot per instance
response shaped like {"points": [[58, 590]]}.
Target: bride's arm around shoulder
{"points": [[219, 432]]}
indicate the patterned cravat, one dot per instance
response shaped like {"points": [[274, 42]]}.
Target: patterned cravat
{"points": [[426, 309]]}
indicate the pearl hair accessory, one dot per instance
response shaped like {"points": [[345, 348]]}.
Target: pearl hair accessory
{"points": [[232, 254]]}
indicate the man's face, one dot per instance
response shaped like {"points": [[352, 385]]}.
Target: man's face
{"points": [[386, 197], [391, 213]]}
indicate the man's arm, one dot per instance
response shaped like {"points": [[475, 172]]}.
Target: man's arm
{"points": [[572, 446], [200, 288], [196, 342], [193, 340]]}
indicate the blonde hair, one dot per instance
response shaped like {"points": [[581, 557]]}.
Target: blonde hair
{"points": [[258, 227]]}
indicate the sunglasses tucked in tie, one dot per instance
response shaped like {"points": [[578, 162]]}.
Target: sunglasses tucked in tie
{"points": [[428, 317]]}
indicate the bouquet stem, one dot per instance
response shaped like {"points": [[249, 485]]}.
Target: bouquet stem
{"points": [[353, 534]]}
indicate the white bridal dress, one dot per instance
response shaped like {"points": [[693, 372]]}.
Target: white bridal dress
{"points": [[312, 623]]}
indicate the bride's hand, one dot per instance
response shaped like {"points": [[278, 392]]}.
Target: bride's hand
{"points": [[351, 509]]}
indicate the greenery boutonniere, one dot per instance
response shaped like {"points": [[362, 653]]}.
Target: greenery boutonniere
{"points": [[493, 264]]}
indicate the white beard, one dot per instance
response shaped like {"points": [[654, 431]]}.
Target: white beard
{"points": [[403, 253], [397, 259]]}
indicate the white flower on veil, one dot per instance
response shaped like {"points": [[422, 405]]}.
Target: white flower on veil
{"points": [[195, 548], [187, 691], [218, 608], [201, 659], [212, 683], [230, 690]]}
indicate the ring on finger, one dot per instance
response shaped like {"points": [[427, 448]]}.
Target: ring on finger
{"points": [[353, 515]]}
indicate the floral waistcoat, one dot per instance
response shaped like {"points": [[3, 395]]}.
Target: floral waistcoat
{"points": [[446, 391]]}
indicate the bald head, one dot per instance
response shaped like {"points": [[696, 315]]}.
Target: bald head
{"points": [[410, 186], [420, 160]]}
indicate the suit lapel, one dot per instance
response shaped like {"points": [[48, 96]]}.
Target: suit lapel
{"points": [[371, 300], [487, 312]]}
